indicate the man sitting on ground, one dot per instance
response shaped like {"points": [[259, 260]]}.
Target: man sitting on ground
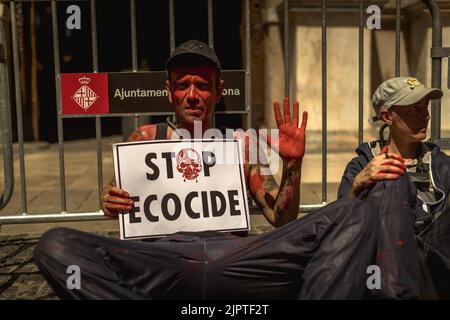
{"points": [[408, 182], [322, 256]]}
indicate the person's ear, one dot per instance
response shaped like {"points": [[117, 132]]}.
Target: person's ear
{"points": [[386, 116], [169, 92], [220, 90]]}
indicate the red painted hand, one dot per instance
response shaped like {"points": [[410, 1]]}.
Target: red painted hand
{"points": [[291, 139], [385, 166], [115, 200]]}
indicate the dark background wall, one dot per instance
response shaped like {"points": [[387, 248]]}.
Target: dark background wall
{"points": [[114, 50]]}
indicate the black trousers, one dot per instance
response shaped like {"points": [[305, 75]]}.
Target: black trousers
{"points": [[412, 266], [397, 253], [322, 256], [434, 252]]}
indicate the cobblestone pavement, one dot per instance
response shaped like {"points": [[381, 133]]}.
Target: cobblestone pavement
{"points": [[19, 276]]}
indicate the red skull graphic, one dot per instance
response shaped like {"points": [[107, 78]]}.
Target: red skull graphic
{"points": [[189, 164]]}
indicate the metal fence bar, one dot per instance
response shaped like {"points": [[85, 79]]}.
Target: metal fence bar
{"points": [[136, 121], [436, 69], [94, 36], [95, 216], [5, 118], [210, 24], [286, 48], [59, 108], [211, 38], [248, 66], [98, 120], [172, 25], [134, 58], [57, 217], [98, 138], [361, 74], [398, 18], [17, 89], [324, 100]]}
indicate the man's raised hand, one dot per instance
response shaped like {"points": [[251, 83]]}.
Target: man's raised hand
{"points": [[291, 139]]}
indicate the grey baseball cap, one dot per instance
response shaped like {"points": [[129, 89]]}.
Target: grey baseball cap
{"points": [[193, 51], [402, 91]]}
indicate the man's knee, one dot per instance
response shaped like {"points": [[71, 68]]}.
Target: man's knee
{"points": [[357, 211], [392, 194], [346, 213], [53, 243]]}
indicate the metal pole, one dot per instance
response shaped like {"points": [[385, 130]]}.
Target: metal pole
{"points": [[172, 26], [17, 88], [397, 36], [286, 48], [58, 103], [210, 24], [46, 218], [134, 48], [211, 38], [5, 119], [98, 120], [95, 216], [361, 74], [133, 36], [94, 36], [436, 69], [324, 100], [248, 66]]}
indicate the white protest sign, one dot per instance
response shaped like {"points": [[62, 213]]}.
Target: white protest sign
{"points": [[182, 185]]}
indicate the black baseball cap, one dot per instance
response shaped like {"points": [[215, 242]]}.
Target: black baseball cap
{"points": [[193, 52]]}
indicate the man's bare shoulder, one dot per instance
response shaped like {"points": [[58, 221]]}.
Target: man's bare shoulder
{"points": [[143, 133], [147, 132]]}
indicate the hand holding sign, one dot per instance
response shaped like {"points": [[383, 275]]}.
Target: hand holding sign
{"points": [[291, 141], [115, 200]]}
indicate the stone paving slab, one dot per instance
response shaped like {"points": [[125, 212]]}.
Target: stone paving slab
{"points": [[29, 267], [4, 279], [26, 287], [8, 250], [19, 276]]}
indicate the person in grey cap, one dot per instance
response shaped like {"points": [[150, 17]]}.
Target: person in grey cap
{"points": [[322, 256], [408, 181]]}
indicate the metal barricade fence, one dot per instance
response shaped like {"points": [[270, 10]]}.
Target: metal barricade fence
{"points": [[437, 53]]}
